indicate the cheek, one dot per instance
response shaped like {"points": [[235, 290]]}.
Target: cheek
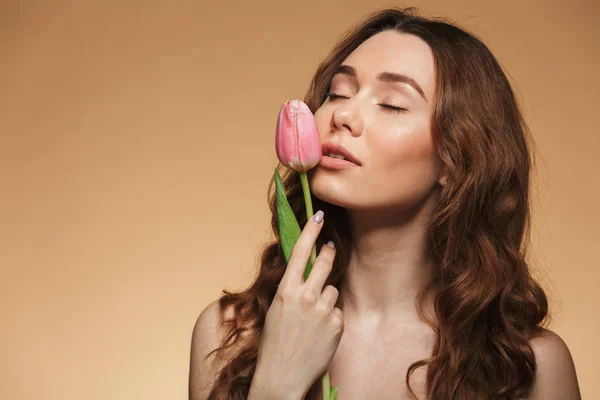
{"points": [[322, 122], [408, 155]]}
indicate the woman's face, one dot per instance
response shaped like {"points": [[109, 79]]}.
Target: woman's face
{"points": [[399, 165]]}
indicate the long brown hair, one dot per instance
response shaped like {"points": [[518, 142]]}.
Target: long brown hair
{"points": [[487, 304]]}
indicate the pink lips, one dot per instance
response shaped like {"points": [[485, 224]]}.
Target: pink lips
{"points": [[336, 163], [336, 148]]}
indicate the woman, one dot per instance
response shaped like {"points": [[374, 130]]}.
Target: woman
{"points": [[427, 293]]}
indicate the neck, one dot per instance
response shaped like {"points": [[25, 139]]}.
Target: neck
{"points": [[389, 264]]}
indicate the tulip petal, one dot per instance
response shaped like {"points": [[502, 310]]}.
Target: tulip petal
{"points": [[297, 139]]}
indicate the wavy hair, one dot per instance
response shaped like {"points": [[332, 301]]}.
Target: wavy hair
{"points": [[487, 304]]}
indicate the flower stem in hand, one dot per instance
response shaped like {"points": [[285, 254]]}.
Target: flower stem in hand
{"points": [[329, 392]]}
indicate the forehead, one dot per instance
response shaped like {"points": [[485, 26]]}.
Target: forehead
{"points": [[392, 51]]}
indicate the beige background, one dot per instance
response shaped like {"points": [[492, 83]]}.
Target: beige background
{"points": [[137, 142]]}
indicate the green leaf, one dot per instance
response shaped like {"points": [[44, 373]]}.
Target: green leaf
{"points": [[333, 393], [289, 229]]}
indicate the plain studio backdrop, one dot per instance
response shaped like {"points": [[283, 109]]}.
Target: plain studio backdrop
{"points": [[137, 143]]}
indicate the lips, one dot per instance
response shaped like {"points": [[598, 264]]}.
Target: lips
{"points": [[341, 150]]}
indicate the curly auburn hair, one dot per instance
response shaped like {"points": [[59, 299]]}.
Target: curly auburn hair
{"points": [[487, 303]]}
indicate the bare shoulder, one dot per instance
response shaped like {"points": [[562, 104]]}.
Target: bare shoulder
{"points": [[207, 336], [555, 376]]}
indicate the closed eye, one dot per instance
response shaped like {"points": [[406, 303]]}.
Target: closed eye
{"points": [[333, 96], [394, 108]]}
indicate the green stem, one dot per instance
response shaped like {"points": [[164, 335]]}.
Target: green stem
{"points": [[309, 209], [326, 389], [328, 392]]}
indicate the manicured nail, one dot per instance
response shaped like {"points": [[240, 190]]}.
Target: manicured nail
{"points": [[331, 244], [318, 217]]}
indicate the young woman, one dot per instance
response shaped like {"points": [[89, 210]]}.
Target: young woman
{"points": [[427, 293]]}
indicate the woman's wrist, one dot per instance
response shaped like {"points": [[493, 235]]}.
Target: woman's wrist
{"points": [[266, 387]]}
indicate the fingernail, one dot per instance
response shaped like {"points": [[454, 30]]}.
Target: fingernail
{"points": [[318, 217], [331, 244]]}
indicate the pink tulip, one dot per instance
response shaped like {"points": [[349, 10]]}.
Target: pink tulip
{"points": [[297, 139]]}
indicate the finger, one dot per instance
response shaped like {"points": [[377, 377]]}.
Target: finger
{"points": [[322, 268], [330, 295], [302, 250], [338, 320]]}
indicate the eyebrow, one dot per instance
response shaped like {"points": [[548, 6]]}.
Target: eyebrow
{"points": [[390, 77]]}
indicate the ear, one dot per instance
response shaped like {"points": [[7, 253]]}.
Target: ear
{"points": [[443, 176]]}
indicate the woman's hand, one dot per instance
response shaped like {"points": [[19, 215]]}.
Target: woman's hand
{"points": [[303, 328]]}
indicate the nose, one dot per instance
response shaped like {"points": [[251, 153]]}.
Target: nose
{"points": [[346, 116]]}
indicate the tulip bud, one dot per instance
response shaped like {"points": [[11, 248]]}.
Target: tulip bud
{"points": [[297, 139]]}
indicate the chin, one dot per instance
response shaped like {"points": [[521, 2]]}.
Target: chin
{"points": [[325, 189], [329, 195]]}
